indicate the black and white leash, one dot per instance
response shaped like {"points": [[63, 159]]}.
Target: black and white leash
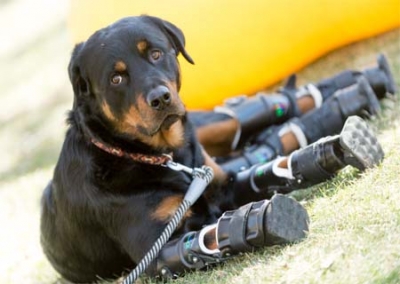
{"points": [[201, 178]]}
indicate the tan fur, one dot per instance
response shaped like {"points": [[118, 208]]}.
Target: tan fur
{"points": [[306, 104], [142, 46], [173, 137], [173, 89], [107, 112], [219, 175], [210, 239], [134, 117], [217, 137], [283, 164], [142, 115], [167, 208], [289, 143], [120, 66]]}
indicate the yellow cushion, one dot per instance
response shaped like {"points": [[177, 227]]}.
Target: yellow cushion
{"points": [[240, 47]]}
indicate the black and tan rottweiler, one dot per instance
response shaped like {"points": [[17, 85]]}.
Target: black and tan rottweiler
{"points": [[111, 196], [102, 212]]}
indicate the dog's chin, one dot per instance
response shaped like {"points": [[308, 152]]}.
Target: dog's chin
{"points": [[169, 133], [169, 121]]}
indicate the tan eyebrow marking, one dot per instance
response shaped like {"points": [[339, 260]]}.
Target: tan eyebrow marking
{"points": [[141, 46], [120, 66]]}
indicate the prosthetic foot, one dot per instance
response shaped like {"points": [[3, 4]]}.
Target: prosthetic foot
{"points": [[268, 222], [381, 78], [358, 99], [356, 145]]}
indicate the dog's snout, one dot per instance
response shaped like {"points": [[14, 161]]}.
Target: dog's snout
{"points": [[159, 98]]}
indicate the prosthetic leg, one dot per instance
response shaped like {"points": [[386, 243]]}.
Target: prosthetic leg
{"points": [[268, 222], [279, 220], [241, 118], [358, 99], [356, 145]]}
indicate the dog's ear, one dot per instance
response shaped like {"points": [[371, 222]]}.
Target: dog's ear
{"points": [[175, 36], [178, 39], [80, 85]]}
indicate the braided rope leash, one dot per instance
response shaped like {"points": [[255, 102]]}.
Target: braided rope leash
{"points": [[201, 178]]}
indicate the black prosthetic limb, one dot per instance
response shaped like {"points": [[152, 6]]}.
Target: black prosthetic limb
{"points": [[258, 112], [268, 222], [185, 254], [379, 77], [358, 99], [279, 220], [356, 145], [255, 114], [261, 152]]}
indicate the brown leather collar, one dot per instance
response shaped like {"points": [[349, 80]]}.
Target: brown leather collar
{"points": [[137, 157]]}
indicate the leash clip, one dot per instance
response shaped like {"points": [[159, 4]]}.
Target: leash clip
{"points": [[182, 168]]}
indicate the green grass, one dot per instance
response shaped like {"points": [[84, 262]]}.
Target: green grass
{"points": [[355, 218]]}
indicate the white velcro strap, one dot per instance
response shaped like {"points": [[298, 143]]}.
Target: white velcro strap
{"points": [[301, 92], [289, 163], [310, 90], [316, 94], [284, 129], [296, 130], [202, 233], [282, 172]]}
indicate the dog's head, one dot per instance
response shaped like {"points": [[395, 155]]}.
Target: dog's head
{"points": [[126, 77]]}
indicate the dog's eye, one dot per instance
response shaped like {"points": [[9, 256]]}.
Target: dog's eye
{"points": [[155, 54], [116, 79]]}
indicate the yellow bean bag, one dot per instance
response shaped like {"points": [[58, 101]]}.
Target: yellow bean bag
{"points": [[242, 46]]}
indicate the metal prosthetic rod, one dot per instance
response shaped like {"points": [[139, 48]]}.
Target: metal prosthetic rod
{"points": [[358, 99], [267, 222]]}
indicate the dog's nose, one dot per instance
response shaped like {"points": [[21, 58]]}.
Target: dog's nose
{"points": [[159, 98]]}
